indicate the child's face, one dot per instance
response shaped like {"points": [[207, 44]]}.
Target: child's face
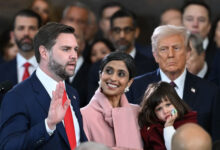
{"points": [[163, 110]]}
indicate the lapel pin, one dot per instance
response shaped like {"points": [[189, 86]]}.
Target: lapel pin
{"points": [[193, 90], [74, 97]]}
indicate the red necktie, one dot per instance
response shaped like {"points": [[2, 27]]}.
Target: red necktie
{"points": [[69, 126], [26, 73]]}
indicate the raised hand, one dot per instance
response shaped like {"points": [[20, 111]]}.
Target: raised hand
{"points": [[57, 111]]}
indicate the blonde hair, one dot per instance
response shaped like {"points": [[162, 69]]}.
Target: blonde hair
{"points": [[168, 30]]}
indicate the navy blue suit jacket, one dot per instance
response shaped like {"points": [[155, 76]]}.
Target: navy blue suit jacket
{"points": [[9, 71], [22, 116], [215, 70], [201, 95]]}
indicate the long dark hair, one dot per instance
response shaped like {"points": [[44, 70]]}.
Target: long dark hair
{"points": [[153, 96]]}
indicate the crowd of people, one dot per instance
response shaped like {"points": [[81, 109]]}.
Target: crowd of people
{"points": [[86, 83]]}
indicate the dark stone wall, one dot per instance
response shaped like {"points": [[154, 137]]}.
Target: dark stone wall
{"points": [[148, 11]]}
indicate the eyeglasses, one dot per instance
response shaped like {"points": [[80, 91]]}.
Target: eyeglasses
{"points": [[126, 30]]}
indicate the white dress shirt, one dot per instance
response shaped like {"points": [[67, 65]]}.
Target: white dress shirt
{"points": [[50, 85], [133, 53], [205, 43], [180, 81], [203, 71], [20, 68]]}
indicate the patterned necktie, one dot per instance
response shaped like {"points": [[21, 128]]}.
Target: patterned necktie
{"points": [[69, 126], [173, 84], [26, 73]]}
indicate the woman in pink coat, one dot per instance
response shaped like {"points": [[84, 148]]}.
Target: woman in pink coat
{"points": [[109, 118]]}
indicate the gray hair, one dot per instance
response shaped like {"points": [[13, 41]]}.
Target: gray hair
{"points": [[92, 146], [74, 4], [197, 43], [168, 30]]}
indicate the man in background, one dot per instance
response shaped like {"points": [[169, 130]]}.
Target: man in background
{"points": [[106, 12], [196, 15], [25, 26], [171, 16], [191, 137]]}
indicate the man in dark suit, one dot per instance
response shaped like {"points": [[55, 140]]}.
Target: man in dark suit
{"points": [[170, 50], [215, 70], [196, 17], [124, 32], [33, 113], [25, 26]]}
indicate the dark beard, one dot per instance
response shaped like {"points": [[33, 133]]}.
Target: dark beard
{"points": [[122, 47], [25, 47], [58, 69]]}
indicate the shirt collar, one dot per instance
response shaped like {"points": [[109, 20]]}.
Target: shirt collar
{"points": [[133, 53], [203, 71], [179, 81], [205, 43], [21, 60], [48, 83]]}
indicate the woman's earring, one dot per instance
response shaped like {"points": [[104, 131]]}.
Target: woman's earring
{"points": [[99, 83], [126, 89]]}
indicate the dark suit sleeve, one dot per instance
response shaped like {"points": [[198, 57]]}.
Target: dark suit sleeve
{"points": [[216, 117], [15, 128]]}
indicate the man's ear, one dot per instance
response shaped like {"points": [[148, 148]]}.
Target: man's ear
{"points": [[188, 53], [137, 32], [43, 52], [12, 35]]}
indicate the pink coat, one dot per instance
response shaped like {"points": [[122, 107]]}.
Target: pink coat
{"points": [[114, 127]]}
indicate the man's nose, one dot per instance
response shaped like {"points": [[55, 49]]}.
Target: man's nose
{"points": [[171, 52], [26, 32], [195, 23], [122, 34]]}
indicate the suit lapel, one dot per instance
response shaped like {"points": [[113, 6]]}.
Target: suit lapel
{"points": [[157, 77], [190, 90], [44, 100], [41, 94]]}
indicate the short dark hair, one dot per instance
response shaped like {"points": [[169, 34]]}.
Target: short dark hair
{"points": [[153, 96], [108, 5], [47, 36], [197, 2], [123, 13], [126, 58], [27, 13], [103, 40]]}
